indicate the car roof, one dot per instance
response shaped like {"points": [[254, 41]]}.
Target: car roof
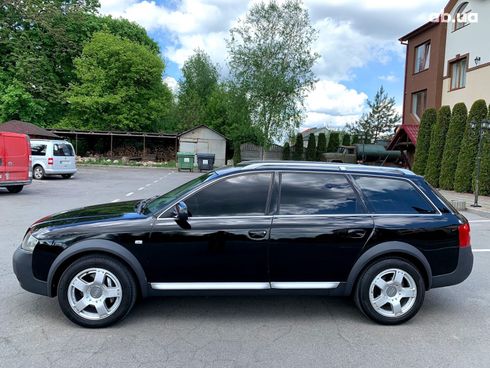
{"points": [[314, 166], [50, 140]]}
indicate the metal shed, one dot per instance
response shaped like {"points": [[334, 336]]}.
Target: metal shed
{"points": [[202, 139]]}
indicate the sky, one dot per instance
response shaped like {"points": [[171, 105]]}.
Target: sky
{"points": [[357, 42]]}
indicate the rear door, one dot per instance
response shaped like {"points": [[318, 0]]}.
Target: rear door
{"points": [[2, 158], [17, 153], [318, 231], [63, 156]]}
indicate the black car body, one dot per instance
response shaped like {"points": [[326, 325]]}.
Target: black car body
{"points": [[265, 228]]}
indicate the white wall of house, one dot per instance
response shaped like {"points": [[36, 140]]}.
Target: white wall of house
{"points": [[204, 140], [473, 40]]}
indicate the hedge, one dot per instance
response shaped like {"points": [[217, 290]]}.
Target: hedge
{"points": [[321, 147], [298, 148], [484, 182], [346, 139], [423, 141], [463, 179], [333, 142], [311, 148], [452, 146], [437, 140], [286, 151]]}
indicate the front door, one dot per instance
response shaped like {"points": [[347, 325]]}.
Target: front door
{"points": [[223, 245], [318, 231]]}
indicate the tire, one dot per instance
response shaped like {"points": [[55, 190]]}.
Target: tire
{"points": [[66, 176], [98, 310], [381, 296], [15, 188], [38, 172]]}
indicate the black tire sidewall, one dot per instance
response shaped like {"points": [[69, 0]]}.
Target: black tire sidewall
{"points": [[129, 290], [362, 290]]}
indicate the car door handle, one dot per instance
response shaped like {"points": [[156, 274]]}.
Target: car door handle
{"points": [[356, 233], [257, 234]]}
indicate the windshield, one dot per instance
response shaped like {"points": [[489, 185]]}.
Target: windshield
{"points": [[163, 201]]}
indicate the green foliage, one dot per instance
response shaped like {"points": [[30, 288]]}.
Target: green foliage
{"points": [[17, 103], [469, 146], [271, 59], [484, 182], [119, 88], [298, 148], [199, 80], [438, 139], [423, 141], [452, 146], [310, 153], [355, 139], [346, 139], [333, 142], [286, 151], [379, 123], [321, 146]]}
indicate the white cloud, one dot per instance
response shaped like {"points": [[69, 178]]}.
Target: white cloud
{"points": [[388, 78], [172, 83]]}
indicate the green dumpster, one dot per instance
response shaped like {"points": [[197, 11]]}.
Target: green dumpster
{"points": [[185, 160]]}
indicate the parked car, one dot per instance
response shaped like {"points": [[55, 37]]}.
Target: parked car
{"points": [[382, 235], [52, 158], [15, 161], [366, 153]]}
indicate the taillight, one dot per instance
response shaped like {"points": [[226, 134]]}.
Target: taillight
{"points": [[50, 161], [464, 235]]}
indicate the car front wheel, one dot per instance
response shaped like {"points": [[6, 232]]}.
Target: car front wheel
{"points": [[390, 291], [96, 291]]}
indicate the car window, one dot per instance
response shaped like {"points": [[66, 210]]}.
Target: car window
{"points": [[62, 149], [243, 195], [393, 196], [38, 149], [317, 194]]}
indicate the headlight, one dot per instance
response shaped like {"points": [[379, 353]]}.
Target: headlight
{"points": [[29, 242]]}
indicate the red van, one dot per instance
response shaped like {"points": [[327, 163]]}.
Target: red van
{"points": [[15, 161]]}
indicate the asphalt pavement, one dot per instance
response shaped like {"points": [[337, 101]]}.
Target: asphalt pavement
{"points": [[451, 330]]}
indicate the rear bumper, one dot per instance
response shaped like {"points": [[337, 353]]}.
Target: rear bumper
{"points": [[22, 264], [461, 273], [49, 171], [15, 183]]}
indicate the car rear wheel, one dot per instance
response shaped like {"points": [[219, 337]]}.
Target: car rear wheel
{"points": [[96, 291], [38, 172], [15, 188], [390, 291], [66, 176]]}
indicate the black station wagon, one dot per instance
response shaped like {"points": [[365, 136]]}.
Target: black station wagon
{"points": [[382, 235]]}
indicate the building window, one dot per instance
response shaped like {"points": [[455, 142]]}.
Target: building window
{"points": [[422, 57], [419, 103], [458, 74], [461, 16]]}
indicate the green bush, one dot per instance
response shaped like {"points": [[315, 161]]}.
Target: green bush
{"points": [[452, 146], [311, 148], [467, 155], [333, 142], [321, 147], [423, 141], [298, 148], [355, 139], [346, 139], [437, 141], [286, 151], [484, 182]]}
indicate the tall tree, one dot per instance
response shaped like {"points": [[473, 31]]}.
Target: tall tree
{"points": [[199, 80], [380, 121], [346, 139], [311, 148], [484, 182], [452, 146], [271, 58], [298, 148], [437, 141], [333, 142], [321, 147], [463, 179], [121, 79], [423, 141], [286, 151]]}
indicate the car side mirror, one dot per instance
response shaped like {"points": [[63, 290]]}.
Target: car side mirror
{"points": [[180, 212]]}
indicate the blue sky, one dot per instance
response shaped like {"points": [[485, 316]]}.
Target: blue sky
{"points": [[358, 44]]}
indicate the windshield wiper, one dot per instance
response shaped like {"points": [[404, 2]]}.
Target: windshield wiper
{"points": [[143, 203]]}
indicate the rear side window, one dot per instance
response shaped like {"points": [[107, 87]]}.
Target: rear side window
{"points": [[62, 149], [317, 194], [38, 149], [244, 195], [393, 196]]}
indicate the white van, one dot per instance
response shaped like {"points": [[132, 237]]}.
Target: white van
{"points": [[52, 158]]}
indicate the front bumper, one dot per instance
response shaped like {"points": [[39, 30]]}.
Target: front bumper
{"points": [[22, 263], [461, 273]]}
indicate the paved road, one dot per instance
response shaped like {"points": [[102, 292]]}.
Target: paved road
{"points": [[451, 330]]}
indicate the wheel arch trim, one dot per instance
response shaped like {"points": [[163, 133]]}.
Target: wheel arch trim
{"points": [[391, 247], [100, 246]]}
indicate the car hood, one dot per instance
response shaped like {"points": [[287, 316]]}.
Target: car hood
{"points": [[107, 211]]}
